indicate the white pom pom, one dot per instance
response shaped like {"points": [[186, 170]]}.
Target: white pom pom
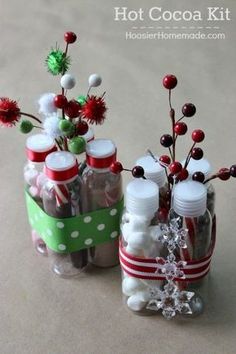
{"points": [[46, 104], [51, 126], [68, 81], [135, 302], [94, 80], [131, 285]]}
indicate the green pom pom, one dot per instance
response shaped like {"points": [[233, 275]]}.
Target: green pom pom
{"points": [[77, 145], [26, 126], [66, 126], [81, 99], [57, 62]]}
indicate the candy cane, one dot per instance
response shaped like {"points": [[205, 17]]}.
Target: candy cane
{"points": [[62, 194]]}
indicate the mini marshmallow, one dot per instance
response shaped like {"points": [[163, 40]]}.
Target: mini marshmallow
{"points": [[155, 232], [138, 240], [133, 251], [135, 302], [131, 285], [34, 191], [41, 179], [30, 177]]}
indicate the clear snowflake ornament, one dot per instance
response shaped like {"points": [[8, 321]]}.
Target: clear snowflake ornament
{"points": [[172, 235], [170, 300], [170, 268]]}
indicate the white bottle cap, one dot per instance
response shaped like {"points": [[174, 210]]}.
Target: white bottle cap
{"points": [[142, 197], [100, 153], [61, 166], [89, 136], [189, 199], [202, 165], [153, 170], [38, 146]]}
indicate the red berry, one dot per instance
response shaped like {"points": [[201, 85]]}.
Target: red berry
{"points": [[163, 215], [169, 82], [233, 170], [188, 110], [198, 135], [72, 109], [198, 176], [138, 172], [70, 37], [180, 128], [166, 140], [197, 153], [224, 174], [183, 175], [165, 159], [60, 101], [175, 167], [82, 127], [116, 167]]}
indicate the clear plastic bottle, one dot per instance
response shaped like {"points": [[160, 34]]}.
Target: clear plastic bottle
{"points": [[190, 210], [138, 228], [204, 166], [102, 189], [156, 173], [38, 146], [62, 198]]}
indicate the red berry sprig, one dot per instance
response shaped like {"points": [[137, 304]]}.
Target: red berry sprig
{"points": [[70, 37]]}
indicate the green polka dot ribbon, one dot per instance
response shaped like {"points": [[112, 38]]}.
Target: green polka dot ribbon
{"points": [[78, 232]]}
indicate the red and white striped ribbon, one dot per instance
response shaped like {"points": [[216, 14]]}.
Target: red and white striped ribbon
{"points": [[62, 194], [147, 268]]}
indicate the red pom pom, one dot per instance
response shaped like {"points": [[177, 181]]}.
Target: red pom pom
{"points": [[94, 110], [9, 112]]}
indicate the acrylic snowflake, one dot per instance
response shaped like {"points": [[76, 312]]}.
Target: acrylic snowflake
{"points": [[170, 300], [170, 268], [172, 235]]}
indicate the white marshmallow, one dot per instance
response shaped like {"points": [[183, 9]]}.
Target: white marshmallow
{"points": [[138, 240], [34, 191], [30, 177], [131, 285], [133, 251], [135, 302], [155, 232]]}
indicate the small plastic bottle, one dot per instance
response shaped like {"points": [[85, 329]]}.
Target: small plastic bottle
{"points": [[62, 198], [103, 189], [190, 209], [38, 146], [156, 173], [204, 166], [138, 223]]}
